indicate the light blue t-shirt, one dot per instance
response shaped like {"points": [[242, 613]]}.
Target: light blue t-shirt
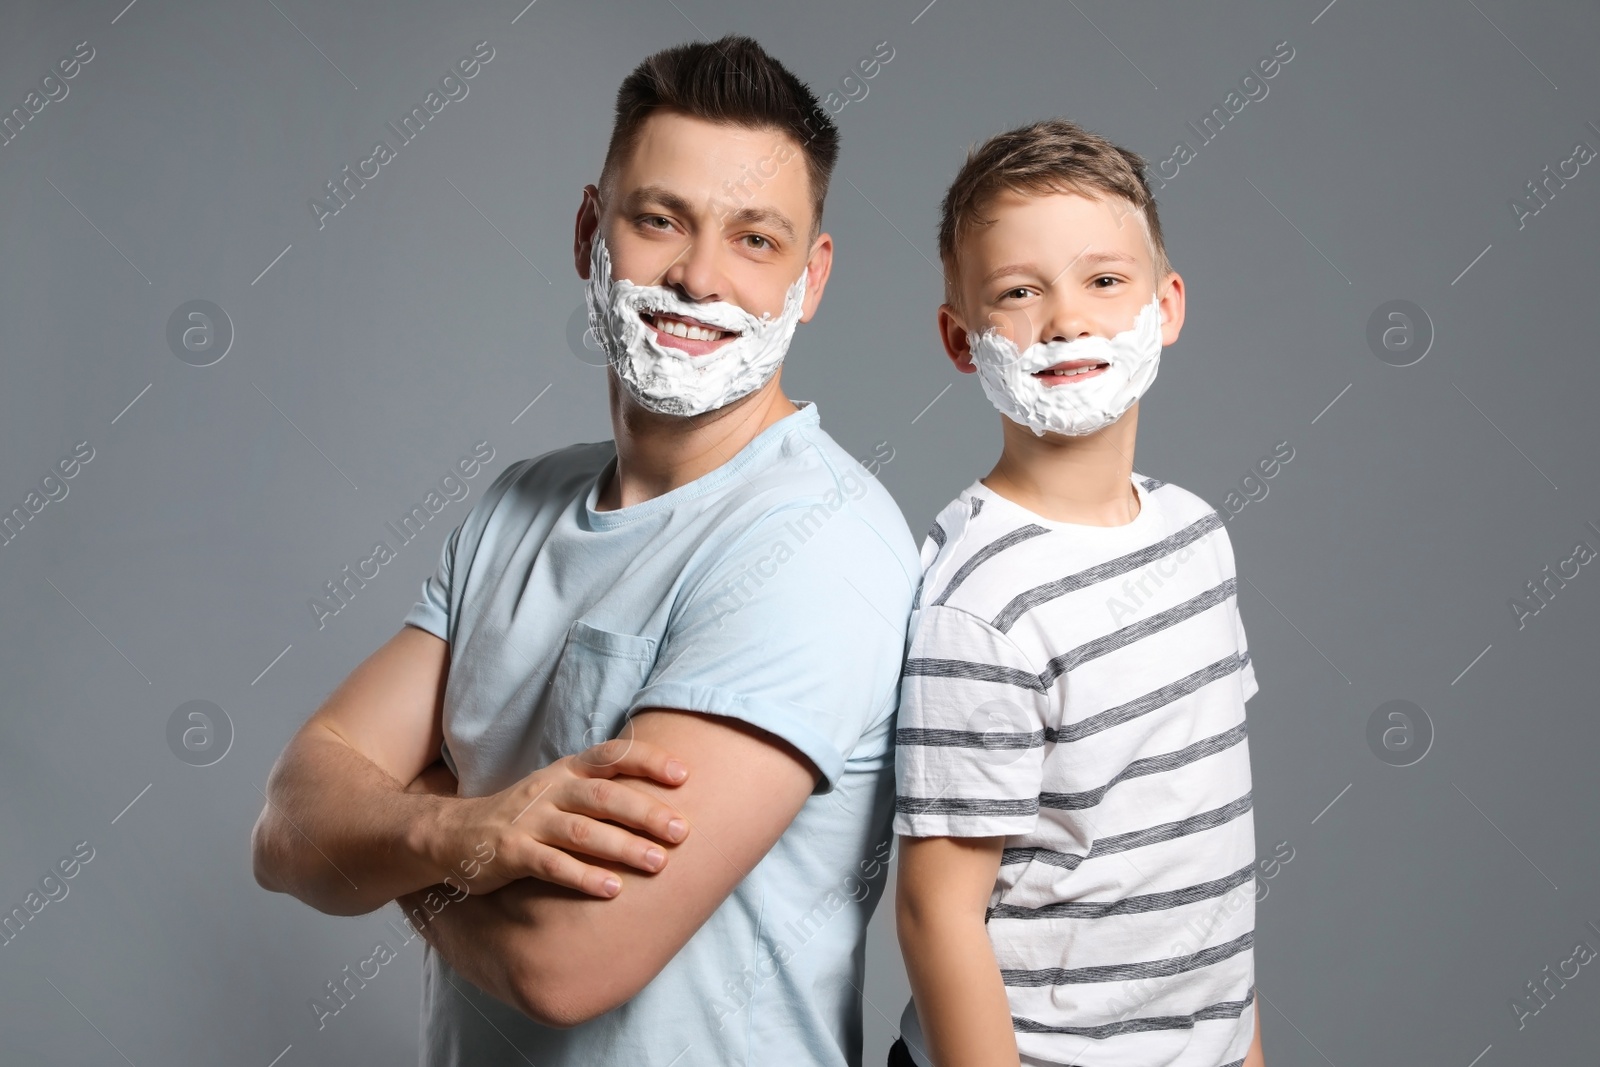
{"points": [[775, 590]]}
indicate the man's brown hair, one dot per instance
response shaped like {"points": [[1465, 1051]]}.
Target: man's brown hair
{"points": [[1052, 156], [733, 81]]}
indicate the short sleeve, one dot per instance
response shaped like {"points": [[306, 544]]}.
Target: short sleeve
{"points": [[799, 629], [1225, 560], [1247, 672], [432, 612], [969, 743]]}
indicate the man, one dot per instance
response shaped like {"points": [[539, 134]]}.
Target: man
{"points": [[721, 583]]}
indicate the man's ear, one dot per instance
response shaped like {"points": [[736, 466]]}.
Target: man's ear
{"points": [[584, 229], [818, 266], [957, 341]]}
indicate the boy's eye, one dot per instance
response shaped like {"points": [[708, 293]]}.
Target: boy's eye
{"points": [[1105, 278], [1018, 293]]}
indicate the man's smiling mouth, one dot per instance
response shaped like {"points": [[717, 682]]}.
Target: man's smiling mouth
{"points": [[684, 333]]}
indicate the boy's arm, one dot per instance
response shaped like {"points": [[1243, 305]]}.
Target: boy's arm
{"points": [[943, 889], [1253, 1058]]}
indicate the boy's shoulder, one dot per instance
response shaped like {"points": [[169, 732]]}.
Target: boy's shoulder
{"points": [[1178, 502], [968, 562]]}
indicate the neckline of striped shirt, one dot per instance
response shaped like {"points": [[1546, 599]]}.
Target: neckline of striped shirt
{"points": [[1037, 525]]}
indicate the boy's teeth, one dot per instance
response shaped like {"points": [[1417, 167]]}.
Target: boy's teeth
{"points": [[1070, 373], [687, 332]]}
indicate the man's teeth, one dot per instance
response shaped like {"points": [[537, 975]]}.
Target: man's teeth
{"points": [[687, 332]]}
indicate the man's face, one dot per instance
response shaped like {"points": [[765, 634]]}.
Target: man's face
{"points": [[718, 213], [1056, 266]]}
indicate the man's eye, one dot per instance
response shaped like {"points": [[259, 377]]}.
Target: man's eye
{"points": [[662, 219], [764, 243]]}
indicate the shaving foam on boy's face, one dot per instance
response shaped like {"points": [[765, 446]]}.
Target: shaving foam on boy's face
{"points": [[1071, 387], [727, 352]]}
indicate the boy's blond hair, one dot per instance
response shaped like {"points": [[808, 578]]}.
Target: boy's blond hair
{"points": [[1051, 156]]}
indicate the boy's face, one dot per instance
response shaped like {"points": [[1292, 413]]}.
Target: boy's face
{"points": [[1054, 266], [717, 212]]}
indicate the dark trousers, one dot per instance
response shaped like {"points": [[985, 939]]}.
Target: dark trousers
{"points": [[899, 1055]]}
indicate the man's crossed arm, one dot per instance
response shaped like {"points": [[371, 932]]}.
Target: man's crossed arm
{"points": [[342, 832], [562, 957]]}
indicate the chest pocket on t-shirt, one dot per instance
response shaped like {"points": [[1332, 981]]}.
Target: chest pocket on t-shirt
{"points": [[594, 682]]}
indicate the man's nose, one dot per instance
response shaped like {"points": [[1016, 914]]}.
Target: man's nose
{"points": [[696, 272]]}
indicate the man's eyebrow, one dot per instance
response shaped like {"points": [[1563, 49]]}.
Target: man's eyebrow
{"points": [[679, 205], [660, 195], [756, 216]]}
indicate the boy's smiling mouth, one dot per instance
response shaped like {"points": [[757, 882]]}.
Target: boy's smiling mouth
{"points": [[686, 334], [1073, 370]]}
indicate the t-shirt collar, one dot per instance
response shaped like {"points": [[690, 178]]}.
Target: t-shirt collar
{"points": [[1127, 530], [709, 482]]}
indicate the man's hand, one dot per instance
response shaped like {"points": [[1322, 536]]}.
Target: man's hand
{"points": [[342, 831], [535, 945], [532, 828]]}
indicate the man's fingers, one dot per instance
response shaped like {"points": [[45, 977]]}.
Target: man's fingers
{"points": [[575, 832], [627, 755], [628, 804], [560, 868]]}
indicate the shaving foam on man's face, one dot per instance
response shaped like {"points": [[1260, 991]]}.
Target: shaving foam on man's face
{"points": [[636, 325]]}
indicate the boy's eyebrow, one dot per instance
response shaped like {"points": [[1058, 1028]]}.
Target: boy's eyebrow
{"points": [[1092, 258], [1107, 257], [679, 205]]}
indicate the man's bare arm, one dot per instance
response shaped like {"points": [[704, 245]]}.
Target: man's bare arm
{"points": [[943, 887], [535, 946], [341, 832]]}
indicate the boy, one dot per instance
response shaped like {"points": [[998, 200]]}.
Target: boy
{"points": [[1076, 871]]}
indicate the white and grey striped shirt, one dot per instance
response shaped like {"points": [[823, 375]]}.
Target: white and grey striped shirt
{"points": [[1080, 690]]}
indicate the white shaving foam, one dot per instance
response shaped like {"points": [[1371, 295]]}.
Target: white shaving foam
{"points": [[669, 380], [1071, 407]]}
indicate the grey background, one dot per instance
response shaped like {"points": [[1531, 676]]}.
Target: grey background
{"points": [[425, 317]]}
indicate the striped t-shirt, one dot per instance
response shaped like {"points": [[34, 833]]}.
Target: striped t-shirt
{"points": [[1080, 690]]}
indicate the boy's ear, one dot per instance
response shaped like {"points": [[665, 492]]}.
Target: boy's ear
{"points": [[957, 341]]}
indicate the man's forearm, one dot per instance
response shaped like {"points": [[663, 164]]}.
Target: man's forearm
{"points": [[527, 944], [533, 946], [477, 937], [961, 1001], [340, 834]]}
